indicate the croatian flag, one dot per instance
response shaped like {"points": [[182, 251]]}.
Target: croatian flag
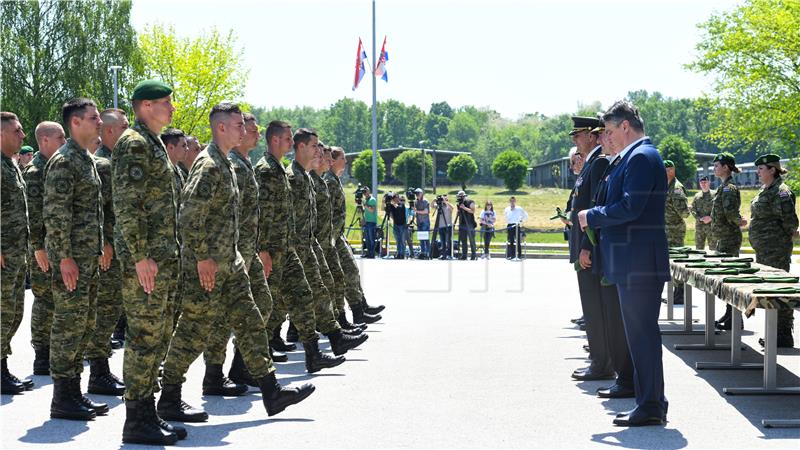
{"points": [[380, 69], [361, 56]]}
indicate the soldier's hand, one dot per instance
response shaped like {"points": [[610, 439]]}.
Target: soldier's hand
{"points": [[207, 270], [105, 259], [565, 222], [706, 219], [146, 270], [41, 260], [69, 273], [585, 259], [266, 261], [2, 262]]}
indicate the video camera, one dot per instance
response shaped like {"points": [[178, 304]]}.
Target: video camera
{"points": [[359, 194], [460, 199], [439, 201], [411, 196], [387, 199]]}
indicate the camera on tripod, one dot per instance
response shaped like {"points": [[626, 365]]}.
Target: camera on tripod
{"points": [[359, 194], [411, 195], [460, 199], [439, 201], [387, 200]]}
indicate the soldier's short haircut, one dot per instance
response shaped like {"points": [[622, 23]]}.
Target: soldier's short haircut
{"points": [[248, 117], [624, 110], [6, 117], [171, 136], [222, 109], [276, 128], [46, 128], [337, 152], [303, 136], [75, 107], [111, 115]]}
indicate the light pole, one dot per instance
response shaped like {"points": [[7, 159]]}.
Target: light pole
{"points": [[115, 69], [422, 150]]}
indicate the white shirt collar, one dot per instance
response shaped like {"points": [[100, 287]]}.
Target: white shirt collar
{"points": [[628, 148], [594, 150]]}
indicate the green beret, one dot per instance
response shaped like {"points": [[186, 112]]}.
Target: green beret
{"points": [[668, 163], [766, 159], [725, 157], [25, 149], [151, 90]]}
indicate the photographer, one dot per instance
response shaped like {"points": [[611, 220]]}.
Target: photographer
{"points": [[444, 225], [515, 215], [466, 225], [409, 224], [370, 221], [397, 211], [423, 223]]}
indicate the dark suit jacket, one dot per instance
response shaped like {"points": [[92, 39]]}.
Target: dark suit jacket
{"points": [[633, 240], [582, 195]]}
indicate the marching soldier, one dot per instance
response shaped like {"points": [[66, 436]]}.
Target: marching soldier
{"points": [[677, 209], [701, 210]]}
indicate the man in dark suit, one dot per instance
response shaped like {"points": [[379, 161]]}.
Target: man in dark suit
{"points": [[634, 253], [588, 282]]}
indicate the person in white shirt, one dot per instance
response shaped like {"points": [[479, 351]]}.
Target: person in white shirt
{"points": [[515, 216]]}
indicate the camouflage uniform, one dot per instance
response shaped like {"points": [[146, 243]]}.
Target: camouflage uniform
{"points": [[145, 206], [177, 295], [73, 217], [14, 248], [209, 224], [351, 278], [103, 152], [701, 207], [109, 288], [773, 221], [677, 210], [183, 170], [42, 309], [248, 237], [324, 234], [725, 218]]}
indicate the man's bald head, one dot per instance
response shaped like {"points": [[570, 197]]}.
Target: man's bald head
{"points": [[115, 122], [49, 137]]}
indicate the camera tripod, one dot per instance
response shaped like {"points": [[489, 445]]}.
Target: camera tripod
{"points": [[358, 216]]}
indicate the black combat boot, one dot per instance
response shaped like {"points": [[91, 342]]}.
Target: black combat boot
{"points": [[172, 407], [27, 384], [291, 334], [41, 362], [353, 332], [723, 323], [359, 316], [10, 386], [166, 426], [100, 409], [276, 397], [346, 324], [65, 404], [215, 383], [238, 372], [142, 425], [316, 360], [341, 343], [373, 310], [118, 336], [279, 344], [277, 356], [101, 380]]}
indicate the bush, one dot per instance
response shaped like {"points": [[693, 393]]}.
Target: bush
{"points": [[679, 150], [407, 169], [511, 167], [461, 169], [362, 168]]}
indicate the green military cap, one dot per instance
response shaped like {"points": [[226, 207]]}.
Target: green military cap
{"points": [[766, 159], [25, 149], [725, 157], [668, 163], [151, 90], [704, 178]]}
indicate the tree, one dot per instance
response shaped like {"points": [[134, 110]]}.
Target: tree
{"points": [[461, 169], [399, 124], [347, 124], [54, 50], [202, 71], [362, 168], [678, 150], [511, 167], [407, 167], [463, 132]]}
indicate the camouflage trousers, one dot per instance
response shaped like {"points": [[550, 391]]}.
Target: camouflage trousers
{"points": [[336, 284], [291, 293], [352, 277], [731, 244], [109, 308], [74, 315], [676, 236], [12, 305], [319, 277], [42, 308], [780, 259], [231, 300], [221, 331], [702, 234], [150, 323]]}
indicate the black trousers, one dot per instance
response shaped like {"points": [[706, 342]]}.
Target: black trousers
{"points": [[463, 235], [594, 317], [617, 341], [514, 247]]}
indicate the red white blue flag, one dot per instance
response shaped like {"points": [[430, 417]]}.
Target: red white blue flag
{"points": [[380, 68], [361, 57]]}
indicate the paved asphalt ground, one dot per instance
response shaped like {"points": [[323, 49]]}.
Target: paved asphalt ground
{"points": [[469, 354]]}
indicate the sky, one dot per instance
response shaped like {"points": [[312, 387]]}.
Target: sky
{"points": [[515, 57]]}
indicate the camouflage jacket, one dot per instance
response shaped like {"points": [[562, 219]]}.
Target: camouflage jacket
{"points": [[103, 152], [183, 170], [701, 205], [275, 213], [725, 217], [338, 206], [209, 217], [323, 229], [304, 205], [773, 218], [14, 212], [73, 205], [677, 207], [104, 171], [248, 204], [145, 197], [34, 180]]}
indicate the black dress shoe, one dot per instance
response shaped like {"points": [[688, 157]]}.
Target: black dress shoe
{"points": [[638, 419], [591, 375], [616, 391], [579, 319], [586, 347]]}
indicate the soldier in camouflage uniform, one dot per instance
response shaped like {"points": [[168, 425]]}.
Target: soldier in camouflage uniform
{"points": [[49, 137], [773, 226], [277, 244], [13, 246], [701, 211], [73, 217], [726, 221], [145, 237], [677, 209], [216, 282], [175, 143]]}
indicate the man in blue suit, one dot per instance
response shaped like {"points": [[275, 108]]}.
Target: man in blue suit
{"points": [[633, 248]]}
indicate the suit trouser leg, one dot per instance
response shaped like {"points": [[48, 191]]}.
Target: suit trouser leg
{"points": [[640, 306], [615, 334], [589, 286]]}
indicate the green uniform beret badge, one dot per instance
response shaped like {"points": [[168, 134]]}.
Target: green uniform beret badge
{"points": [[668, 163], [766, 159]]}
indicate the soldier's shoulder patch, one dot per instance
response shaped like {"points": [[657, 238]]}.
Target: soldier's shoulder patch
{"points": [[136, 172], [204, 189], [62, 185], [34, 190]]}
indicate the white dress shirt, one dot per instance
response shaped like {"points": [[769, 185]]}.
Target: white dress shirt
{"points": [[516, 215]]}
